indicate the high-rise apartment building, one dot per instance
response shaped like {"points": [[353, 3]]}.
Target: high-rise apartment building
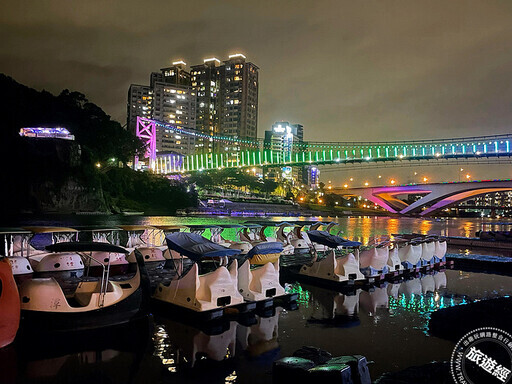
{"points": [[140, 103], [175, 105], [205, 81], [171, 99], [238, 98], [215, 99]]}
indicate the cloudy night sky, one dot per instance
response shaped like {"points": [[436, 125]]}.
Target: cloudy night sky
{"points": [[346, 70]]}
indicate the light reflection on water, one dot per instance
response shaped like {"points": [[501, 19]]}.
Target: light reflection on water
{"points": [[367, 322]]}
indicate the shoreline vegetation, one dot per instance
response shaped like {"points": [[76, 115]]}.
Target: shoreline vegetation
{"points": [[89, 174]]}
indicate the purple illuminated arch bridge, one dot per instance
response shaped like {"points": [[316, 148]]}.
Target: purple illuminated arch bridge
{"points": [[435, 197], [253, 153]]}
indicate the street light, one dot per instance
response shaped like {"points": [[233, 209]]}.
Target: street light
{"points": [[468, 176], [366, 184], [425, 179], [392, 181]]}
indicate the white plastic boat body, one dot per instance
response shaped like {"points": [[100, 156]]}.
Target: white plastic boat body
{"points": [[427, 252], [103, 258], [260, 283], [335, 269], [206, 292], [440, 250], [56, 262], [149, 254], [20, 265], [373, 261], [394, 263], [410, 255]]}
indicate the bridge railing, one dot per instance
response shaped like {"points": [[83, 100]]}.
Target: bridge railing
{"points": [[254, 153]]}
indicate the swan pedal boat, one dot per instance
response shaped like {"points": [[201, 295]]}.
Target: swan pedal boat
{"points": [[206, 295], [332, 269], [93, 305]]}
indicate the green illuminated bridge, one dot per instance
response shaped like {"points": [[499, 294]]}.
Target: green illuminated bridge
{"points": [[492, 148]]}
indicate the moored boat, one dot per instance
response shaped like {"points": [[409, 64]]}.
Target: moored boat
{"points": [[9, 304], [94, 304], [331, 268], [195, 291]]}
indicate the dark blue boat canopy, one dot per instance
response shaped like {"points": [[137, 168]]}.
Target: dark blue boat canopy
{"points": [[265, 248], [85, 246], [196, 247], [331, 241]]}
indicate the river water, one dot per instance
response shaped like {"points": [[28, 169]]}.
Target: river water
{"points": [[385, 324]]}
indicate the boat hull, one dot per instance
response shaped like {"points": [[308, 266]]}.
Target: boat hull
{"points": [[9, 304], [133, 307]]}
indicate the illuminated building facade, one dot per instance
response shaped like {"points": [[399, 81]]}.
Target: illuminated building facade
{"points": [[283, 141], [176, 105], [171, 99], [214, 98], [238, 99], [140, 103], [205, 80]]}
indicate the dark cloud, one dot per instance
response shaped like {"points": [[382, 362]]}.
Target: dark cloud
{"points": [[347, 70]]}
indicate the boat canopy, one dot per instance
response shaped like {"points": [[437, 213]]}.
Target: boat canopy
{"points": [[85, 246], [135, 228], [168, 227], [93, 228], [196, 247], [201, 226], [331, 241], [14, 231], [265, 248], [50, 229]]}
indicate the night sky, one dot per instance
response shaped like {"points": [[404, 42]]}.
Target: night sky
{"points": [[346, 70]]}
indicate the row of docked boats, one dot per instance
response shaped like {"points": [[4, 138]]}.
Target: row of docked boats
{"points": [[235, 270]]}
